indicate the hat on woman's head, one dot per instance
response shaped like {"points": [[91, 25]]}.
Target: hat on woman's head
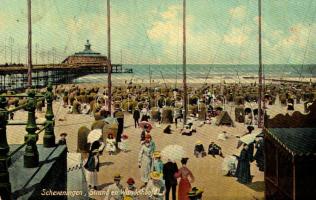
{"points": [[155, 175], [130, 181], [63, 134], [184, 159], [147, 136], [198, 142], [157, 154]]}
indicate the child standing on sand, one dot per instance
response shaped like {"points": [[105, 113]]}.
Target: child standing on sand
{"points": [[110, 144], [123, 145]]}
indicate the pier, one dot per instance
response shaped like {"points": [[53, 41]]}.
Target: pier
{"points": [[15, 76]]}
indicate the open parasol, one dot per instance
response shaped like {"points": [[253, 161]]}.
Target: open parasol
{"points": [[94, 135], [249, 138], [142, 124], [173, 152]]}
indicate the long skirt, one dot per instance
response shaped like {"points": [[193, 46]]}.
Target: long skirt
{"points": [[92, 178], [145, 169], [184, 189]]}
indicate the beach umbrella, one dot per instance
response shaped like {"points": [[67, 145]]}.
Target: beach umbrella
{"points": [[173, 152], [94, 135], [249, 138], [142, 124]]}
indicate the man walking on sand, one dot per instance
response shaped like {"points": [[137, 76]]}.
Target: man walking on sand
{"points": [[169, 170]]}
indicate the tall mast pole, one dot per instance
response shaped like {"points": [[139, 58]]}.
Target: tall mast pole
{"points": [[29, 52], [109, 57], [260, 114], [185, 99]]}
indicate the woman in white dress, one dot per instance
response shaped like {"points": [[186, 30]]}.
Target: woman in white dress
{"points": [[145, 161]]}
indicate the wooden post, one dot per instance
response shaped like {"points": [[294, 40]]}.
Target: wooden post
{"points": [[29, 16], [260, 69], [184, 66], [5, 186], [109, 65]]}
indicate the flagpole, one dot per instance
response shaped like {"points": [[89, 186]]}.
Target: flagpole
{"points": [[109, 65], [29, 51], [260, 114], [185, 99]]}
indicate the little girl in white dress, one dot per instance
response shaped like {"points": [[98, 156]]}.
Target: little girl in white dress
{"points": [[110, 144]]}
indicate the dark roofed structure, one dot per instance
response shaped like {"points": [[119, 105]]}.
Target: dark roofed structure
{"points": [[87, 56], [297, 141], [290, 156]]}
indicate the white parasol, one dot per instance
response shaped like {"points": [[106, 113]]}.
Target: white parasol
{"points": [[249, 138], [94, 135], [173, 152]]}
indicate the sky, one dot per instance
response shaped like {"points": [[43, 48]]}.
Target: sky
{"points": [[150, 31]]}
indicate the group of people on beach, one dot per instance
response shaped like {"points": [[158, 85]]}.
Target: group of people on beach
{"points": [[156, 175]]}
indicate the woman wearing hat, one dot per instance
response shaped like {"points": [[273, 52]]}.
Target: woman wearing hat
{"points": [[130, 191], [145, 161], [92, 167], [259, 155], [199, 150], [157, 164], [243, 166], [156, 187], [185, 176]]}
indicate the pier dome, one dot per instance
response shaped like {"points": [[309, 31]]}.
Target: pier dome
{"points": [[87, 56]]}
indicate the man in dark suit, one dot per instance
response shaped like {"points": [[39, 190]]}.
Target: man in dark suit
{"points": [[136, 116], [169, 169]]}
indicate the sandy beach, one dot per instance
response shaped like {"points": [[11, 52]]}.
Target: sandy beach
{"points": [[207, 170]]}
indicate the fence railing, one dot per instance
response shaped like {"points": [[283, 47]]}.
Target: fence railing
{"points": [[31, 154]]}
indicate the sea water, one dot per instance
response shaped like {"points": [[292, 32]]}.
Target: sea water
{"points": [[203, 71]]}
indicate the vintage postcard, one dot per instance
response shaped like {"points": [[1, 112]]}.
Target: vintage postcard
{"points": [[157, 99]]}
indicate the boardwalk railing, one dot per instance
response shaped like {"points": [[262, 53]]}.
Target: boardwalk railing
{"points": [[31, 155]]}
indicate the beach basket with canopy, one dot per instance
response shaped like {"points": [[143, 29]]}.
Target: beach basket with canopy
{"points": [[239, 100], [202, 110], [239, 114], [173, 152], [82, 144], [167, 115], [154, 113]]}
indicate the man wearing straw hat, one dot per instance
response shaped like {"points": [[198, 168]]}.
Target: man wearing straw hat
{"points": [[195, 194], [155, 189], [115, 191]]}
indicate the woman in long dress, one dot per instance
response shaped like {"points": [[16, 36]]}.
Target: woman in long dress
{"points": [[145, 161], [243, 166], [92, 168], [185, 176]]}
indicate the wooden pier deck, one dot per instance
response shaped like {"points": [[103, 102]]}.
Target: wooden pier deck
{"points": [[15, 76]]}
